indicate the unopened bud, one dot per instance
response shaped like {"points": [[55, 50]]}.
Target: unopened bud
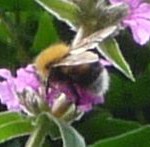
{"points": [[60, 106]]}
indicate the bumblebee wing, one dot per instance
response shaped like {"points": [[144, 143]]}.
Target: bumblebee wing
{"points": [[83, 58], [93, 40]]}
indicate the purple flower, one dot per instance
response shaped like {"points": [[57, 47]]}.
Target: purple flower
{"points": [[21, 92], [26, 77], [138, 19], [83, 98], [88, 98], [11, 86], [105, 62]]}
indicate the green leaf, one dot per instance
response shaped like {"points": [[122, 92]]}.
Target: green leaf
{"points": [[5, 35], [45, 37], [136, 138], [111, 51], [63, 10], [69, 135], [101, 126], [7, 117], [15, 129], [12, 5]]}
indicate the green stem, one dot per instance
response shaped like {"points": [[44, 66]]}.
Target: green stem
{"points": [[37, 138], [44, 126]]}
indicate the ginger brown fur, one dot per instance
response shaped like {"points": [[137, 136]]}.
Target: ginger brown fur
{"points": [[49, 56]]}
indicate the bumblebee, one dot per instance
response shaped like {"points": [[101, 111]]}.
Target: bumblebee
{"points": [[76, 63], [84, 69]]}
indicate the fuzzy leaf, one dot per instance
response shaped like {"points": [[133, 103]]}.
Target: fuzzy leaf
{"points": [[63, 10], [7, 117], [12, 125], [69, 135], [136, 138], [111, 51], [100, 125], [15, 129]]}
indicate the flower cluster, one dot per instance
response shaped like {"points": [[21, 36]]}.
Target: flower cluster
{"points": [[13, 88], [138, 19]]}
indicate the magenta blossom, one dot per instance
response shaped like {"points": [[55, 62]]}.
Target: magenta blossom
{"points": [[18, 92], [11, 86], [138, 19], [82, 97]]}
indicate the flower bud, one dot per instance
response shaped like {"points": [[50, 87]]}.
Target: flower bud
{"points": [[60, 105]]}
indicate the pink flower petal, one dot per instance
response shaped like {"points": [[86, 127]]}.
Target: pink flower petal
{"points": [[5, 73], [138, 20], [26, 77], [140, 30], [9, 97], [11, 86], [105, 62]]}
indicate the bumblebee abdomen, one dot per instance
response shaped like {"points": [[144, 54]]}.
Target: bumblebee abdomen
{"points": [[83, 74]]}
